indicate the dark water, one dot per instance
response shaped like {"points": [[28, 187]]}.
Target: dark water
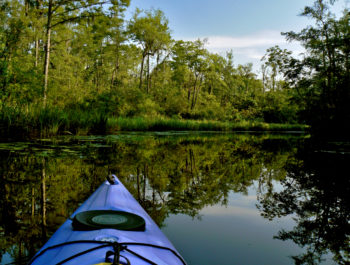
{"points": [[221, 199]]}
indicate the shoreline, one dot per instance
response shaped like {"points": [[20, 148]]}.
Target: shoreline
{"points": [[33, 127]]}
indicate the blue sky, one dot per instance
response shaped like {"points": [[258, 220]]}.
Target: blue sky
{"points": [[248, 27]]}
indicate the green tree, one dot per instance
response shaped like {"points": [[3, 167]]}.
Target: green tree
{"points": [[321, 78], [273, 63], [189, 65], [19, 79], [152, 32], [67, 12]]}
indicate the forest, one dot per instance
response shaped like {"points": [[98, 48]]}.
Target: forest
{"points": [[81, 67]]}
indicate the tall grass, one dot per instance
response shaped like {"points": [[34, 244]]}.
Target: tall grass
{"points": [[142, 124], [53, 121], [50, 121]]}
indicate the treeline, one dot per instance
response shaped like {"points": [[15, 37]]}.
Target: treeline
{"points": [[68, 61]]}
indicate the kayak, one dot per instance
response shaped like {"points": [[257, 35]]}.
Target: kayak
{"points": [[110, 227]]}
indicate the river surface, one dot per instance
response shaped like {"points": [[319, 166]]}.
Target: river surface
{"points": [[220, 198]]}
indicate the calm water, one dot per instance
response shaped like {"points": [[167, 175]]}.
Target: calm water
{"points": [[220, 198]]}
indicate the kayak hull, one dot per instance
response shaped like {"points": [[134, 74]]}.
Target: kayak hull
{"points": [[108, 197]]}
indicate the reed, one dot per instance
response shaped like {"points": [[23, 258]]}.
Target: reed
{"points": [[54, 121], [50, 121], [143, 124]]}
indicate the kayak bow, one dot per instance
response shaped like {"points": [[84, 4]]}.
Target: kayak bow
{"points": [[110, 227]]}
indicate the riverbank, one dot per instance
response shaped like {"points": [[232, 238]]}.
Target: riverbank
{"points": [[51, 122], [162, 124]]}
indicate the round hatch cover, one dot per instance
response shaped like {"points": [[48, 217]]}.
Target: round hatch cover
{"points": [[99, 219], [108, 219]]}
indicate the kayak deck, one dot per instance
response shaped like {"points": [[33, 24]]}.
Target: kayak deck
{"points": [[117, 198]]}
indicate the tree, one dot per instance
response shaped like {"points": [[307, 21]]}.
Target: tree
{"points": [[274, 61], [118, 35], [322, 77], [10, 33], [247, 76], [189, 65], [61, 12], [151, 31], [17, 76]]}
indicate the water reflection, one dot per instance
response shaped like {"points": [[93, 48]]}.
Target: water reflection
{"points": [[43, 182], [316, 191]]}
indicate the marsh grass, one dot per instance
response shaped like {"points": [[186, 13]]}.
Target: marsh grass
{"points": [[54, 121], [143, 124], [50, 121]]}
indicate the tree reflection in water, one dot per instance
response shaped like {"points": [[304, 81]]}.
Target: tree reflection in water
{"points": [[316, 192], [44, 182]]}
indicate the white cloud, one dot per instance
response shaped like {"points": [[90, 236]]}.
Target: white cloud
{"points": [[251, 53], [249, 48], [259, 39], [230, 210]]}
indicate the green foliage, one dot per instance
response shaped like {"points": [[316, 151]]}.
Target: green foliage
{"points": [[277, 107], [50, 121], [321, 79], [159, 124], [101, 66], [151, 31]]}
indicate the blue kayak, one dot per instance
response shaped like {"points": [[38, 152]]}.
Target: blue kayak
{"points": [[110, 227]]}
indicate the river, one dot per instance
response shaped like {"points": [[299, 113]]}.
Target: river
{"points": [[220, 198]]}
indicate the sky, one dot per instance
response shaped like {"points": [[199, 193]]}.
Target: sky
{"points": [[247, 27]]}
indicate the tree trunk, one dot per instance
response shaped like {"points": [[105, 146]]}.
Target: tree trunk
{"points": [[273, 77], [263, 72], [39, 13], [141, 71], [138, 184], [43, 194], [197, 92], [33, 202], [148, 77], [194, 93], [331, 68], [26, 7], [189, 91], [36, 52], [47, 51], [145, 175], [188, 94], [116, 67]]}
